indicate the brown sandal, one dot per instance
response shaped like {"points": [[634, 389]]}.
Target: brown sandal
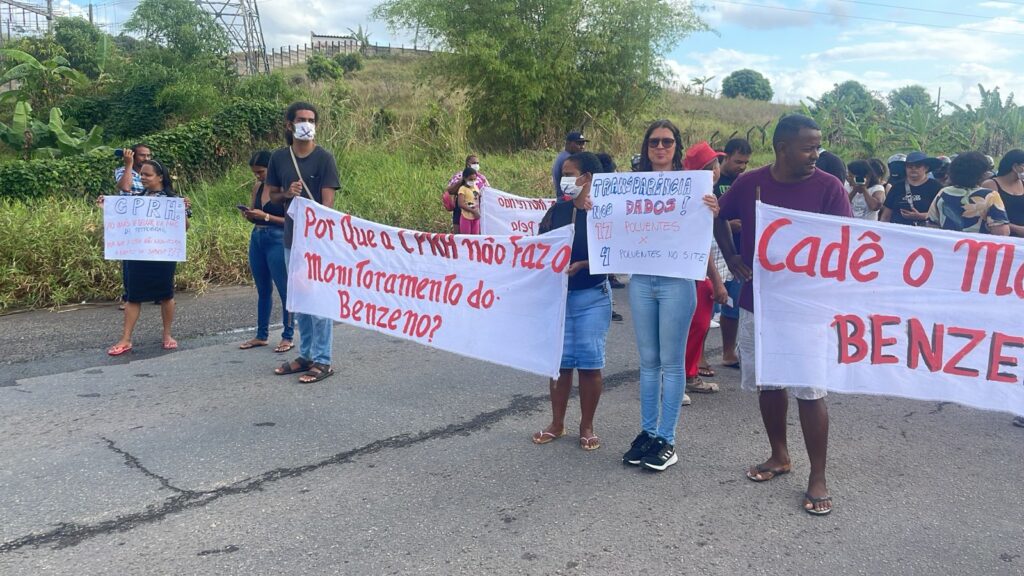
{"points": [[300, 364], [316, 373]]}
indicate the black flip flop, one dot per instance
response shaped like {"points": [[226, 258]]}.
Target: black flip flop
{"points": [[813, 511]]}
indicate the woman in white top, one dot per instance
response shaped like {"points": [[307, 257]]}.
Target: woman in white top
{"points": [[867, 192]]}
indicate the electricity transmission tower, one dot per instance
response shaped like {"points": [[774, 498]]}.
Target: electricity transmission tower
{"points": [[24, 19], [241, 20]]}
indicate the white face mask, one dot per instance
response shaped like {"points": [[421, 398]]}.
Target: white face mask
{"points": [[304, 131], [475, 166], [1020, 175], [569, 187]]}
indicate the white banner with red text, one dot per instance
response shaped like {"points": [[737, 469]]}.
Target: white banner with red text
{"points": [[504, 214], [650, 223], [499, 299], [144, 228], [868, 307]]}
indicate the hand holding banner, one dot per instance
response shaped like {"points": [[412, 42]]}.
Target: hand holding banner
{"points": [[859, 306], [650, 223], [144, 228], [500, 299]]}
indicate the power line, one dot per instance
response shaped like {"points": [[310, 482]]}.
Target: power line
{"points": [[923, 10], [869, 18]]}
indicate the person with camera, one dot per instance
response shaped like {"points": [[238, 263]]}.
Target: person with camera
{"points": [[129, 183], [865, 188]]}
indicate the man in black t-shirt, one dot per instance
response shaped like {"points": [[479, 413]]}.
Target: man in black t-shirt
{"points": [[908, 201], [318, 181]]}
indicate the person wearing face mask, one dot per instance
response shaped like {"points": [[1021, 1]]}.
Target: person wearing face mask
{"points": [[1009, 182], [147, 280], [303, 168], [662, 308], [266, 257], [587, 310], [469, 203], [908, 201], [472, 161]]}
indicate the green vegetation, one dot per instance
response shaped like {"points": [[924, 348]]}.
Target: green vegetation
{"points": [[534, 69], [747, 83]]}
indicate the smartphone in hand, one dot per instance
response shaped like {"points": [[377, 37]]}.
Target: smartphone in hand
{"points": [[242, 207]]}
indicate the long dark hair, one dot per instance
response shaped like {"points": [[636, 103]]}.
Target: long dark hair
{"points": [[165, 177], [677, 157], [466, 173], [1015, 156]]}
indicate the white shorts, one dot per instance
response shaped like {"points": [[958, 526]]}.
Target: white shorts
{"points": [[745, 342]]}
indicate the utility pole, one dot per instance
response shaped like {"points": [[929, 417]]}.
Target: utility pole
{"points": [[49, 16], [90, 13]]}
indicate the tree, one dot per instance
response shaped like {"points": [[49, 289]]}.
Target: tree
{"points": [[533, 69], [748, 84], [855, 97], [84, 43], [319, 67], [181, 26], [912, 96]]}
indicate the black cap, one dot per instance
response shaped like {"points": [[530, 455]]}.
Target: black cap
{"points": [[575, 137]]}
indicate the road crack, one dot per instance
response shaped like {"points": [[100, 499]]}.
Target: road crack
{"points": [[69, 534], [134, 463]]}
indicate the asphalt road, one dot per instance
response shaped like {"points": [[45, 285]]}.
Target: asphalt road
{"points": [[415, 461]]}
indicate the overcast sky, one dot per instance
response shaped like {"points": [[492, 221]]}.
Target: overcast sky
{"points": [[802, 46]]}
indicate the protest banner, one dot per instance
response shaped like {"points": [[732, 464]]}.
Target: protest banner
{"points": [[504, 214], [144, 228], [868, 307], [500, 299], [650, 223]]}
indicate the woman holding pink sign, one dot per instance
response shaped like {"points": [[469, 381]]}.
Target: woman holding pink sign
{"points": [[149, 281]]}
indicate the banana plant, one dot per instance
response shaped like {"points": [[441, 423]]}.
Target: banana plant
{"points": [[39, 82], [25, 132]]}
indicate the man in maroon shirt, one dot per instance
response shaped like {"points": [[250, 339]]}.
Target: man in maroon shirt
{"points": [[792, 181]]}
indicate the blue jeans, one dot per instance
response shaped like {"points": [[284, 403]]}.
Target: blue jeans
{"points": [[266, 260], [662, 309], [316, 334]]}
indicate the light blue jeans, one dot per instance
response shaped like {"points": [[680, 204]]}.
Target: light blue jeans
{"points": [[316, 334], [662, 309]]}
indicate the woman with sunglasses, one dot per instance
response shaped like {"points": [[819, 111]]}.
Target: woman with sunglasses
{"points": [[662, 308], [149, 281]]}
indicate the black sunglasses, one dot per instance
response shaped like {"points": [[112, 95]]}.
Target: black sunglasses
{"points": [[663, 142]]}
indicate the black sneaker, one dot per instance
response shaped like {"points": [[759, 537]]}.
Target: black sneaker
{"points": [[640, 447], [616, 316], [661, 456]]}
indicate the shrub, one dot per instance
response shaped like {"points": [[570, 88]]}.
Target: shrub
{"points": [[190, 151], [269, 87], [320, 67], [349, 62], [383, 122]]}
